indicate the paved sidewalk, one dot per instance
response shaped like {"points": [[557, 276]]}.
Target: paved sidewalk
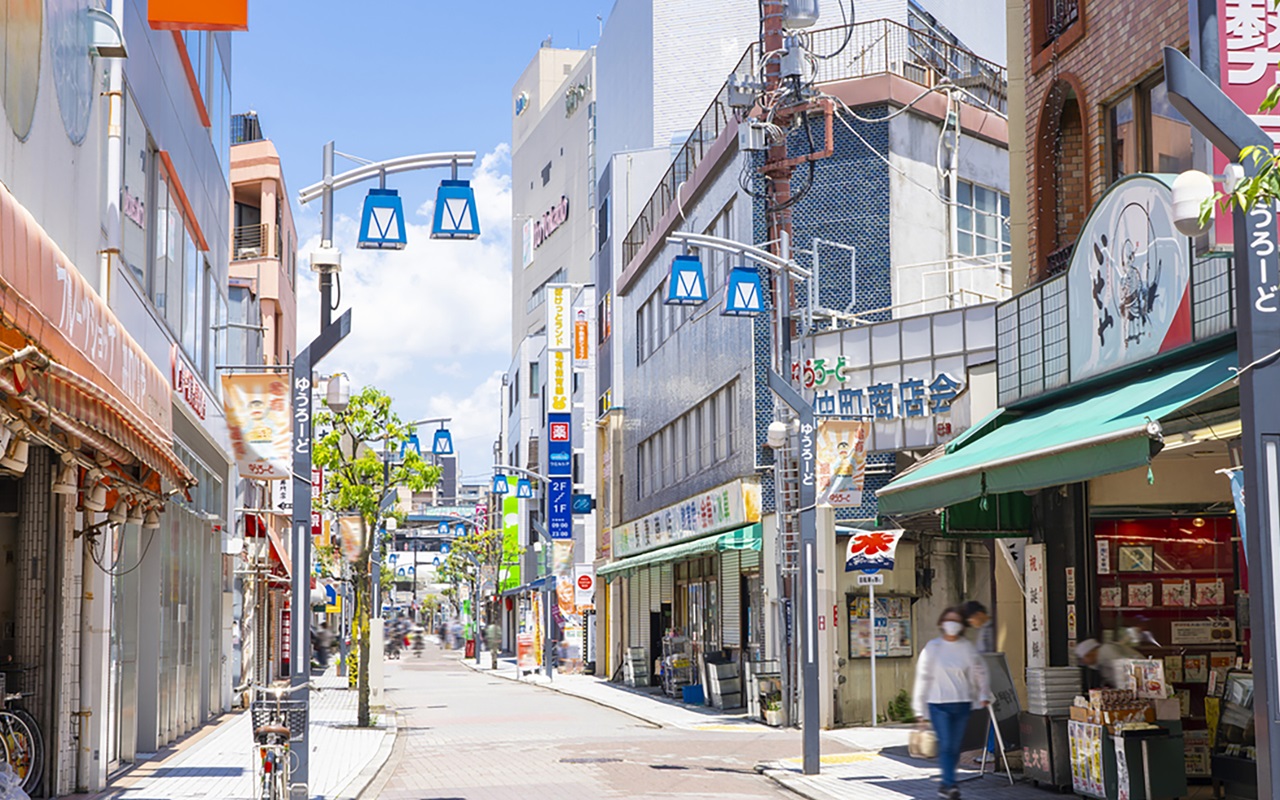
{"points": [[651, 706], [220, 763]]}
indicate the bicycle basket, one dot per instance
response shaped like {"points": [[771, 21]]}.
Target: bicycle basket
{"points": [[294, 712]]}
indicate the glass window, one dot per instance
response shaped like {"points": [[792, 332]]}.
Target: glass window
{"points": [[1123, 144], [535, 383], [1146, 133], [982, 221], [135, 191], [193, 278]]}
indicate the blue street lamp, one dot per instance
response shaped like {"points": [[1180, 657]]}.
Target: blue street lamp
{"points": [[442, 443], [382, 223], [500, 484], [744, 297], [524, 489], [411, 443], [687, 284], [443, 528], [455, 216]]}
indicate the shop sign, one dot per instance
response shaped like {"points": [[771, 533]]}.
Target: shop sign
{"points": [[1129, 282], [526, 243], [560, 445], [584, 583], [1203, 631], [1248, 49], [282, 497], [550, 222], [198, 15], [581, 337], [559, 516], [522, 103], [559, 336], [186, 384], [871, 551], [733, 505], [1037, 618], [559, 380], [904, 378]]}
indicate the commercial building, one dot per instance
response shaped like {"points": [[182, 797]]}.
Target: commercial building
{"points": [[115, 205], [693, 548], [262, 331]]}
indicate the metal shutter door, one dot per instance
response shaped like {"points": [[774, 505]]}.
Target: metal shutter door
{"points": [[730, 599], [643, 609], [667, 582], [655, 589], [750, 559]]}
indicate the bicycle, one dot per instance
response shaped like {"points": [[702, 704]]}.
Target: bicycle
{"points": [[20, 741], [276, 722]]}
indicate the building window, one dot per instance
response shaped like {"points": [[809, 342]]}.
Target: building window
{"points": [[1145, 133], [694, 441], [539, 295], [982, 222], [1058, 17], [535, 388], [716, 263]]}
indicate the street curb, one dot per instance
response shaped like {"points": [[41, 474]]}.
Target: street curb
{"points": [[794, 783], [551, 686], [356, 786]]}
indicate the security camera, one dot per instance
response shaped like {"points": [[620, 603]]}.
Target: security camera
{"points": [[1190, 191]]}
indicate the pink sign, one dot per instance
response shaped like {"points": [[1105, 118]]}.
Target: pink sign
{"points": [[1248, 50]]}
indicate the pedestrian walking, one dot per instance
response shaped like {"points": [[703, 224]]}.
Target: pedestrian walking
{"points": [[951, 681], [322, 643]]}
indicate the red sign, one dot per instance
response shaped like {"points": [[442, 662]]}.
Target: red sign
{"points": [[585, 582], [317, 489], [559, 432], [286, 637], [198, 15], [186, 383], [581, 338]]}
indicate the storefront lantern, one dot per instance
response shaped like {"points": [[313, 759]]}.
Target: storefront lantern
{"points": [[524, 489], [455, 216], [442, 443], [687, 285], [382, 223], [410, 443], [500, 484], [744, 297]]}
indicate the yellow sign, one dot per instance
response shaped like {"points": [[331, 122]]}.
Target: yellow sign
{"points": [[258, 421], [559, 326], [559, 380]]}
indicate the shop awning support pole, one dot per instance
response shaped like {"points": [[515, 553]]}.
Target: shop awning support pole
{"points": [[303, 363], [1230, 130], [808, 611]]}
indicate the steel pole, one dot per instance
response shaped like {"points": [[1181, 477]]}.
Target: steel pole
{"points": [[1257, 275]]}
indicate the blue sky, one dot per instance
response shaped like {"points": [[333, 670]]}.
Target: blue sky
{"points": [[386, 78]]}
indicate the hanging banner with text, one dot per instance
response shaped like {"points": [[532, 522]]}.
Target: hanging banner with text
{"points": [[842, 463], [258, 421], [559, 325]]}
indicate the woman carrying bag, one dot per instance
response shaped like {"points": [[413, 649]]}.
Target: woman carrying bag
{"points": [[951, 681]]}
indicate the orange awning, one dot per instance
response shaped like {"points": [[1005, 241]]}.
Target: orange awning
{"points": [[99, 383]]}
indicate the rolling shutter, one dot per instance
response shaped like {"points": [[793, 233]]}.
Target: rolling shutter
{"points": [[730, 599]]}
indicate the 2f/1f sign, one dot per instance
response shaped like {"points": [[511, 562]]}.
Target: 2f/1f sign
{"points": [[871, 580], [559, 515]]}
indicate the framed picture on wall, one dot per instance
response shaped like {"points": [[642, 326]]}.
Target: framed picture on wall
{"points": [[1135, 558]]}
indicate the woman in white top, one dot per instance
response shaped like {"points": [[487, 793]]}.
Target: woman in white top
{"points": [[951, 681]]}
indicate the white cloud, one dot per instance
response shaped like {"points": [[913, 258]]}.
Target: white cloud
{"points": [[431, 324]]}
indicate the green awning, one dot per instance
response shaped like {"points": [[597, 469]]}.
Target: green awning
{"points": [[1090, 435], [748, 538]]}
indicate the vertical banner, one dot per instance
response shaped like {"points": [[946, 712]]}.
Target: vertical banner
{"points": [[581, 337], [351, 531], [559, 381], [258, 421], [511, 543], [559, 330], [871, 551], [842, 463], [1037, 620], [584, 585], [1237, 496], [559, 514], [560, 445]]}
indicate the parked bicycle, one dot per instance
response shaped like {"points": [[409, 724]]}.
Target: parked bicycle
{"points": [[277, 720], [20, 741]]}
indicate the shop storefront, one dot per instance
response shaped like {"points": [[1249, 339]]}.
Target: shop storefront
{"points": [[690, 600], [1112, 454]]}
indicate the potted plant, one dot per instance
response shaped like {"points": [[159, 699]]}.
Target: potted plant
{"points": [[773, 709]]}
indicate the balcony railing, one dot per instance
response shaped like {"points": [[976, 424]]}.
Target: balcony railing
{"points": [[877, 47], [1058, 16], [251, 241]]}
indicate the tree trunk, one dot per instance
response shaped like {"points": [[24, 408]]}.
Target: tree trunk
{"points": [[362, 641]]}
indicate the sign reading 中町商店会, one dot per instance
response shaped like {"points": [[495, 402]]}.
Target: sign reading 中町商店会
{"points": [[1129, 283], [904, 379], [733, 505]]}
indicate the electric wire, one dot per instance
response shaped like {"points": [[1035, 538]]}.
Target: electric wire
{"points": [[95, 553]]}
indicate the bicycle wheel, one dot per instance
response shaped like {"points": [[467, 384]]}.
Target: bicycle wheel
{"points": [[23, 745]]}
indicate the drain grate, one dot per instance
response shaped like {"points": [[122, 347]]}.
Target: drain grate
{"points": [[591, 760]]}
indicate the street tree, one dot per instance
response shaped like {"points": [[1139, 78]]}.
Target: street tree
{"points": [[359, 481], [477, 558]]}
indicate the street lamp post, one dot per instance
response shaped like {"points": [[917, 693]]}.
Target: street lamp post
{"points": [[787, 270], [327, 262], [548, 644], [1231, 130]]}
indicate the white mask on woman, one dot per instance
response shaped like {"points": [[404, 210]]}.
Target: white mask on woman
{"points": [[952, 628]]}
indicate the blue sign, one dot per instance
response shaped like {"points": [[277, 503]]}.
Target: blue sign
{"points": [[559, 514], [445, 547], [560, 444], [382, 223], [583, 503], [443, 529]]}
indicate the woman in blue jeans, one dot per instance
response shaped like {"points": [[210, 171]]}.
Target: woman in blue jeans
{"points": [[951, 681]]}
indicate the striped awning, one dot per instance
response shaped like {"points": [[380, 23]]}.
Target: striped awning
{"points": [[74, 403], [748, 538]]}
